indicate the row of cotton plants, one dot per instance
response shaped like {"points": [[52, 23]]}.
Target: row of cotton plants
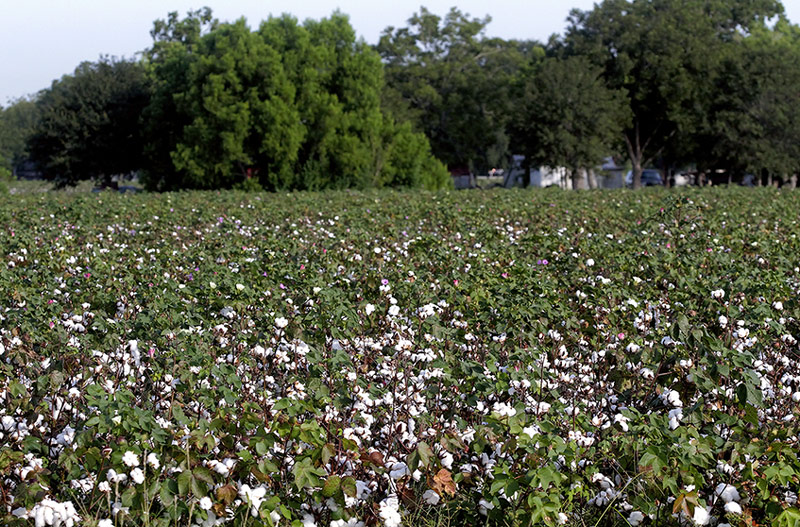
{"points": [[388, 359]]}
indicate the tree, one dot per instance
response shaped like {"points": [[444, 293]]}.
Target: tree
{"points": [[755, 118], [566, 115], [89, 123], [661, 52], [167, 64], [17, 123], [287, 106], [452, 83]]}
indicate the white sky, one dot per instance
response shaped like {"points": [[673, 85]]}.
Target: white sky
{"points": [[41, 40]]}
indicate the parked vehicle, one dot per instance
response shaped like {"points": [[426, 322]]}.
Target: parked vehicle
{"points": [[650, 178]]}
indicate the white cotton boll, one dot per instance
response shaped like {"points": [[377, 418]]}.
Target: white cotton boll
{"points": [[718, 294], [701, 516], [778, 305], [447, 460], [309, 521], [389, 511], [728, 493], [105, 523], [394, 311], [484, 507], [623, 422], [399, 470], [152, 460], [531, 431], [589, 262], [275, 516], [369, 309], [723, 321], [240, 287], [137, 476], [206, 503], [130, 459], [635, 518], [503, 409], [431, 497], [733, 508], [281, 322]]}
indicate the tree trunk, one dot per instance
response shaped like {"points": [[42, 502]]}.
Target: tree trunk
{"points": [[592, 178], [769, 179], [578, 179], [667, 175], [793, 182], [636, 155]]}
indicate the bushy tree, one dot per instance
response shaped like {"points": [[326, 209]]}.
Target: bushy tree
{"points": [[566, 115], [661, 53], [17, 123], [452, 82], [287, 106], [88, 125], [754, 119]]}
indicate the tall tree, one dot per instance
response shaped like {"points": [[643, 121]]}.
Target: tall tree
{"points": [[17, 123], [660, 52], [88, 125], [755, 118], [167, 63], [566, 115], [452, 82], [287, 106]]}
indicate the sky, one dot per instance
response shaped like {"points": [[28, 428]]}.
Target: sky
{"points": [[41, 40]]}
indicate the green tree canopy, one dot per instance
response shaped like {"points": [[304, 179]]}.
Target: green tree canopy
{"points": [[661, 52], [754, 120], [88, 125], [288, 106], [17, 123], [452, 83], [567, 116]]}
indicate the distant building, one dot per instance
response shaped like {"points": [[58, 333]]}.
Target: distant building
{"points": [[607, 175], [462, 177], [27, 170]]}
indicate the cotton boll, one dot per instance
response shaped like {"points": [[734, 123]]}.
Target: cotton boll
{"points": [[430, 497], [137, 476], [733, 508], [701, 516], [635, 518], [728, 493]]}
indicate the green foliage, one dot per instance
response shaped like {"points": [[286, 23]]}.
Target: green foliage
{"points": [[291, 106], [452, 82], [17, 122], [88, 126], [757, 111], [527, 352], [567, 116], [661, 53]]}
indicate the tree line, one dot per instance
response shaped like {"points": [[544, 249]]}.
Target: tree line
{"points": [[705, 84]]}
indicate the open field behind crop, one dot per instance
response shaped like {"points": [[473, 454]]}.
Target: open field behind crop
{"points": [[391, 358]]}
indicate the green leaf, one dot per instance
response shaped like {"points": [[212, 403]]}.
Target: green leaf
{"points": [[332, 485], [184, 481], [426, 454], [349, 487]]}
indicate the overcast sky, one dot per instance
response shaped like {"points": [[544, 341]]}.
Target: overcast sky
{"points": [[40, 40]]}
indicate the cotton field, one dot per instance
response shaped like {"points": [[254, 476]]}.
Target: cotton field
{"points": [[399, 358]]}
